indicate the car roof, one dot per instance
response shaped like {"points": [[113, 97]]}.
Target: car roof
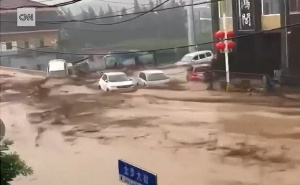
{"points": [[151, 71], [114, 73], [198, 53], [57, 60]]}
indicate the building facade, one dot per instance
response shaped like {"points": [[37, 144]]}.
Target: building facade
{"points": [[267, 31], [16, 41]]}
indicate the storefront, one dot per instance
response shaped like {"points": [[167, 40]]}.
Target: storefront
{"points": [[262, 45]]}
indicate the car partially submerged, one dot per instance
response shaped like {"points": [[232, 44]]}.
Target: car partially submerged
{"points": [[58, 68], [151, 78], [114, 81], [198, 72]]}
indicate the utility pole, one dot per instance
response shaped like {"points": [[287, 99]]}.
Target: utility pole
{"points": [[223, 10], [191, 27]]}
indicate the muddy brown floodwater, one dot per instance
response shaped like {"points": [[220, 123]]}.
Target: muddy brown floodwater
{"points": [[71, 133]]}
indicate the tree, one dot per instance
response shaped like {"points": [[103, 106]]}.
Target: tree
{"points": [[101, 12], [173, 3], [110, 10], [11, 164], [123, 11], [91, 12], [136, 6], [159, 3], [151, 4]]}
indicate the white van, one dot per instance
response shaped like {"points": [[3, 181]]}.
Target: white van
{"points": [[57, 68], [198, 57]]}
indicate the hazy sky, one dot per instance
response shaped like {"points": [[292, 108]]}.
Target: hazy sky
{"points": [[115, 4]]}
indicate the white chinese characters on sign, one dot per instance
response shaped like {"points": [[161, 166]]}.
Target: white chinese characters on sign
{"points": [[145, 179], [142, 178], [126, 170], [246, 19], [246, 4], [139, 176], [131, 172]]}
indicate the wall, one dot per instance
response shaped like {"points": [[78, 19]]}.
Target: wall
{"points": [[294, 42], [48, 37], [27, 62], [270, 21]]}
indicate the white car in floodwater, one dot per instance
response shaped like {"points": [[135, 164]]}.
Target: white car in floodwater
{"points": [[57, 68], [151, 78], [198, 57], [112, 81]]}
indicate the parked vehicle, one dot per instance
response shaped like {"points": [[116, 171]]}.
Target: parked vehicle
{"points": [[199, 57], [112, 81], [151, 78], [198, 73], [57, 68]]}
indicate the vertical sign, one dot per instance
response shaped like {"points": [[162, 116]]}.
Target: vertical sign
{"points": [[246, 15], [26, 17]]}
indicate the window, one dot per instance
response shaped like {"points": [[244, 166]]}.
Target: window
{"points": [[295, 6], [104, 77], [228, 8], [157, 77], [42, 43], [187, 58], [196, 58], [26, 44], [202, 56], [142, 76], [270, 7], [208, 54], [118, 78], [9, 46]]}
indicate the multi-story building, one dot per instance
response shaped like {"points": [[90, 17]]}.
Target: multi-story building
{"points": [[16, 40], [264, 45]]}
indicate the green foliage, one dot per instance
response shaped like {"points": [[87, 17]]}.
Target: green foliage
{"points": [[11, 164]]}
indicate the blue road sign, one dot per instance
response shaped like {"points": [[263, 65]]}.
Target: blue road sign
{"points": [[134, 175]]}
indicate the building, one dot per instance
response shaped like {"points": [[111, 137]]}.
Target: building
{"points": [[16, 40], [267, 47]]}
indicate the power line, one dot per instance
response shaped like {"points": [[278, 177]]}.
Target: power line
{"points": [[145, 12], [46, 6], [137, 15], [118, 2], [163, 49], [119, 15]]}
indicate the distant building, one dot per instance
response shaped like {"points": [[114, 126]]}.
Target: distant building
{"points": [[266, 51], [43, 36]]}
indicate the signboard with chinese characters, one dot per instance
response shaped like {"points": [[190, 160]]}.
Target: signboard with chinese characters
{"points": [[246, 15], [133, 175]]}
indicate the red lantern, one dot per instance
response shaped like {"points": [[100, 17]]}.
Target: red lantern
{"points": [[220, 35], [230, 34], [220, 46], [230, 45]]}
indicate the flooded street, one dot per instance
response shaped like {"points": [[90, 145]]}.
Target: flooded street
{"points": [[72, 134]]}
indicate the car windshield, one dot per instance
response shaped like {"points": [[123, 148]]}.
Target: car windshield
{"points": [[156, 76], [187, 58], [117, 78]]}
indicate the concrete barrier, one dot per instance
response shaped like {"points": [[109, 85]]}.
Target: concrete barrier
{"points": [[33, 72]]}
